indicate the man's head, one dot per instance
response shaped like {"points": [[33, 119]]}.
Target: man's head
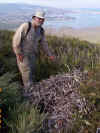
{"points": [[38, 18]]}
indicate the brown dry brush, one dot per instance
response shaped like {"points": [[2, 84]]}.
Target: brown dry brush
{"points": [[60, 98]]}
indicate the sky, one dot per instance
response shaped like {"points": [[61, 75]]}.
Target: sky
{"points": [[59, 3]]}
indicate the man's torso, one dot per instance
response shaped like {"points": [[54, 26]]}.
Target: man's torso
{"points": [[31, 41]]}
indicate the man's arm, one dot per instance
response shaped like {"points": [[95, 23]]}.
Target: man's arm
{"points": [[17, 38], [46, 49]]}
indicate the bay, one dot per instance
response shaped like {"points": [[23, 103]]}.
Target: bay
{"points": [[75, 18]]}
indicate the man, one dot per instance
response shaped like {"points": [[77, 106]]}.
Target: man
{"points": [[25, 46]]}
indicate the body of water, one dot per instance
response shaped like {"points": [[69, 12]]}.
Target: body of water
{"points": [[75, 18]]}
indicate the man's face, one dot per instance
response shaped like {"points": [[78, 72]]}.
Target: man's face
{"points": [[39, 21]]}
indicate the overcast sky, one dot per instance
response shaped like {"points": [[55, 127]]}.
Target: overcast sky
{"points": [[59, 3]]}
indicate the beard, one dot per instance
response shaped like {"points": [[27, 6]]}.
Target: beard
{"points": [[39, 24]]}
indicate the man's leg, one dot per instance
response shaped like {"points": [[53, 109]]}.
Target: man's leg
{"points": [[26, 71], [33, 67]]}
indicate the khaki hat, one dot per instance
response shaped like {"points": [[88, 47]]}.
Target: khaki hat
{"points": [[39, 14]]}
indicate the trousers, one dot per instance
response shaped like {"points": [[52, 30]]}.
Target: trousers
{"points": [[27, 69]]}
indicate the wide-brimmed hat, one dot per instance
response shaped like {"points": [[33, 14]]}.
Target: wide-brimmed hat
{"points": [[39, 14]]}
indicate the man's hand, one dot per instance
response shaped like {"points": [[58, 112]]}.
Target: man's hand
{"points": [[52, 58], [20, 57]]}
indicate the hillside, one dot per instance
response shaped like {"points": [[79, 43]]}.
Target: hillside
{"points": [[89, 34], [71, 54], [12, 15]]}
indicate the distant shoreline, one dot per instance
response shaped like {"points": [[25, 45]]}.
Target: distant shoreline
{"points": [[89, 34]]}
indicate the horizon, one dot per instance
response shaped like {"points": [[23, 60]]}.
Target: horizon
{"points": [[54, 3], [50, 6]]}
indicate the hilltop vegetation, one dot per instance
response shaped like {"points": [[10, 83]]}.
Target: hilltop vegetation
{"points": [[70, 54]]}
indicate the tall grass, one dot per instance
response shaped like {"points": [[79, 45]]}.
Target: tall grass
{"points": [[69, 53], [26, 119]]}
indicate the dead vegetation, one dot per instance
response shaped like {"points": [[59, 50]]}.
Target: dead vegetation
{"points": [[60, 98]]}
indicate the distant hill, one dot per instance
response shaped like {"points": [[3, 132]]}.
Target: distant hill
{"points": [[15, 7], [12, 15]]}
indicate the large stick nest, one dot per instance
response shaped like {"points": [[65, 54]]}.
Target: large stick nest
{"points": [[60, 98]]}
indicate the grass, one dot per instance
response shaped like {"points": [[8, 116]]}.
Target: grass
{"points": [[70, 53], [26, 119]]}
